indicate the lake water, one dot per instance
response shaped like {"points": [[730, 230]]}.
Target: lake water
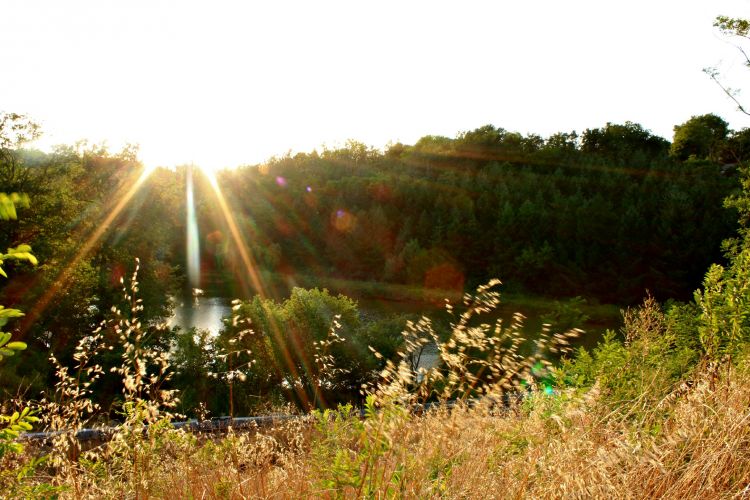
{"points": [[203, 313], [206, 313]]}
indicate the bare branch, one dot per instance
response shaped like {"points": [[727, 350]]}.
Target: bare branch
{"points": [[744, 54], [713, 74]]}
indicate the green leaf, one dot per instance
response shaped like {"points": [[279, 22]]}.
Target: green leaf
{"points": [[7, 207], [6, 314], [21, 252], [16, 346]]}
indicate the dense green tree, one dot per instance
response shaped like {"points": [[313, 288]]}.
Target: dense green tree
{"points": [[87, 225], [700, 137], [622, 142], [736, 148], [291, 342]]}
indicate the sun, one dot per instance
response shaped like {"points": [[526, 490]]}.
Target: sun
{"points": [[172, 154]]}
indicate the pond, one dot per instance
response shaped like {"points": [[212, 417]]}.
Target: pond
{"points": [[207, 313], [202, 313]]}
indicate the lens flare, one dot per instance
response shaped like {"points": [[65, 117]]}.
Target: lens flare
{"points": [[343, 221], [193, 245], [118, 203], [255, 282], [239, 241]]}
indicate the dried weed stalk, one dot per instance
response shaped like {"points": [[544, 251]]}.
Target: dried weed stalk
{"points": [[476, 360]]}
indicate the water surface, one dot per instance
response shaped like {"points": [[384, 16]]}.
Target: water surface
{"points": [[203, 313]]}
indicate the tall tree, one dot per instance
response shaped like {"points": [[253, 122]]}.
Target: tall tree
{"points": [[701, 137]]}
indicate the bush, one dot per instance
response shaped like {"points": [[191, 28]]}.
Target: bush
{"points": [[308, 346], [658, 351]]}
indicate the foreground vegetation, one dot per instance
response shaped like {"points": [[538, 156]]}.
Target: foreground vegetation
{"points": [[661, 413], [546, 447]]}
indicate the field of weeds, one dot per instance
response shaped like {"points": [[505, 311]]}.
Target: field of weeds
{"points": [[572, 445], [640, 418]]}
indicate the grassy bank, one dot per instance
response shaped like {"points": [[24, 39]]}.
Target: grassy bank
{"points": [[571, 447]]}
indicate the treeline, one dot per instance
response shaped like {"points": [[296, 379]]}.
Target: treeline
{"points": [[608, 214]]}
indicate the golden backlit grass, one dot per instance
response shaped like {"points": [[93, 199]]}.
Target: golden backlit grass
{"points": [[637, 431], [561, 446]]}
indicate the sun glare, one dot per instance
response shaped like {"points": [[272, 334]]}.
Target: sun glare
{"points": [[116, 206], [170, 152]]}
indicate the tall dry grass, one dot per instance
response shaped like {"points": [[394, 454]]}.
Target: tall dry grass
{"points": [[685, 438], [566, 446]]}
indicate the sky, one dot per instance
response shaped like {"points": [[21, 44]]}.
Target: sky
{"points": [[226, 83]]}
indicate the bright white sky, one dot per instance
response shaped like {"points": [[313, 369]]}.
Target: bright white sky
{"points": [[225, 83]]}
